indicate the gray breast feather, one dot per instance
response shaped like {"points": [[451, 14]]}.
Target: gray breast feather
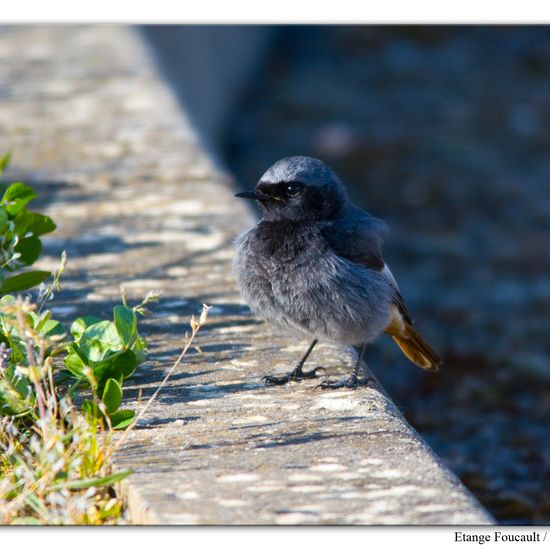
{"points": [[318, 293]]}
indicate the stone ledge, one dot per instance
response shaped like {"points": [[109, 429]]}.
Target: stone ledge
{"points": [[139, 202]]}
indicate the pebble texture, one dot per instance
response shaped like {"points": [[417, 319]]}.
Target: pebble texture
{"points": [[139, 203]]}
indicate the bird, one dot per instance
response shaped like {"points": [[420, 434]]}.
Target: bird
{"points": [[313, 267]]}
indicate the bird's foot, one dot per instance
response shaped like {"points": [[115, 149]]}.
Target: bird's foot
{"points": [[296, 375], [351, 382]]}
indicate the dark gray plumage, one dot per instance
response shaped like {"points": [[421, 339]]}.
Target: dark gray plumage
{"points": [[313, 265]]}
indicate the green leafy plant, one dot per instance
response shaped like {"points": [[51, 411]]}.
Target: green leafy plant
{"points": [[103, 354], [51, 456], [98, 355], [54, 455], [20, 232], [54, 462]]}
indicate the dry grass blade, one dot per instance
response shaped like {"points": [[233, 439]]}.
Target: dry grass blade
{"points": [[195, 327]]}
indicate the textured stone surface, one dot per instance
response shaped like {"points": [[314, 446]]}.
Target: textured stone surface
{"points": [[139, 203], [454, 165]]}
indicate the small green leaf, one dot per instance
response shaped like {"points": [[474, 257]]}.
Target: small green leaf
{"points": [[16, 197], [52, 328], [39, 320], [122, 419], [102, 372], [23, 281], [112, 395], [99, 341], [104, 332], [92, 482], [93, 350], [81, 324], [126, 324], [29, 249], [45, 325], [124, 365], [31, 224], [38, 224], [74, 364]]}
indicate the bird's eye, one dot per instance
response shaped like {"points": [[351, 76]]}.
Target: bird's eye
{"points": [[293, 189]]}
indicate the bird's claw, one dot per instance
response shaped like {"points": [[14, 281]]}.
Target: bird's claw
{"points": [[296, 376], [275, 380]]}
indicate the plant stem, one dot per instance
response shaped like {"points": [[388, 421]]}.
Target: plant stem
{"points": [[195, 329]]}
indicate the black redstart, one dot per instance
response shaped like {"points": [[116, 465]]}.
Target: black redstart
{"points": [[313, 266]]}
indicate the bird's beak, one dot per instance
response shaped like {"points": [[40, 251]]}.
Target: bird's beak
{"points": [[250, 195]]}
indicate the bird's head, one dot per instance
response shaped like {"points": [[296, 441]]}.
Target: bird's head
{"points": [[299, 189]]}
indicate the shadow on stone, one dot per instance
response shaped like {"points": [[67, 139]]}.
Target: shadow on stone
{"points": [[154, 422], [178, 394]]}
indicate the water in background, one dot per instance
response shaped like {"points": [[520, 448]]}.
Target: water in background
{"points": [[443, 132]]}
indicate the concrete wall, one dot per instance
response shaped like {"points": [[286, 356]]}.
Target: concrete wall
{"points": [[209, 66]]}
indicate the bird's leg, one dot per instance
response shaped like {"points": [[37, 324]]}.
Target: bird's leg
{"points": [[353, 381], [296, 374]]}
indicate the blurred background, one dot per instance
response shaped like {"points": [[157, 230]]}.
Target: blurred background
{"points": [[443, 132]]}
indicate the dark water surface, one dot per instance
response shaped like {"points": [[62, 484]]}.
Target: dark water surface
{"points": [[443, 132]]}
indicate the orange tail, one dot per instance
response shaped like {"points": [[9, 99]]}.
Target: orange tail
{"points": [[412, 344]]}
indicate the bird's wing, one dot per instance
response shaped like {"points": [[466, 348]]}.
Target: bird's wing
{"points": [[397, 298], [358, 237]]}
